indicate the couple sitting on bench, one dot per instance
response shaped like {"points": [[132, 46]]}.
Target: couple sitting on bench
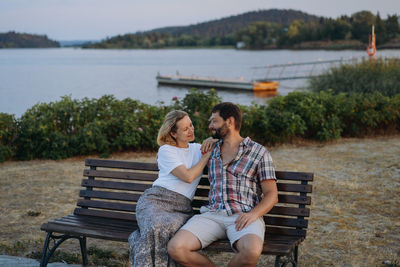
{"points": [[242, 189]]}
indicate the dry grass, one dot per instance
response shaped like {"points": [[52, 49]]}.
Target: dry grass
{"points": [[355, 214]]}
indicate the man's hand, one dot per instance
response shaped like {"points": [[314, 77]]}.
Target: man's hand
{"points": [[245, 219]]}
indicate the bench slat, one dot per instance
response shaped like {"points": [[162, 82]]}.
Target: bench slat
{"points": [[204, 181], [121, 175], [294, 188], [295, 176], [88, 232], [269, 247], [115, 185], [290, 222], [110, 195], [106, 214], [290, 211], [293, 199], [106, 205], [100, 223], [201, 192], [83, 221], [285, 231], [121, 164]]}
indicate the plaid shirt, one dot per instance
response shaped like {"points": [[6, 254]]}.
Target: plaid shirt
{"points": [[236, 187]]}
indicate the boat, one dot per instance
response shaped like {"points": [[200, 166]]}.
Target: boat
{"points": [[210, 82]]}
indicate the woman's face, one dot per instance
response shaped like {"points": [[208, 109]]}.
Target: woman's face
{"points": [[185, 131]]}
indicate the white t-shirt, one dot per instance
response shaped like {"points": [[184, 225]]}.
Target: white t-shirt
{"points": [[170, 157]]}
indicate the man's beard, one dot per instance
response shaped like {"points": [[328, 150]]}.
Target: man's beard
{"points": [[221, 132]]}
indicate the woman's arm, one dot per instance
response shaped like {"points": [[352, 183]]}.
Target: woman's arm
{"points": [[189, 175]]}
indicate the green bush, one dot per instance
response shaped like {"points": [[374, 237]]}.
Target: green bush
{"points": [[366, 114], [70, 127], [367, 76], [8, 131]]}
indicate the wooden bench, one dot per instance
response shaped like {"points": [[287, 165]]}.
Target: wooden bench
{"points": [[107, 203]]}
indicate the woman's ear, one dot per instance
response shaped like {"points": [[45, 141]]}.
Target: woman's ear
{"points": [[173, 135]]}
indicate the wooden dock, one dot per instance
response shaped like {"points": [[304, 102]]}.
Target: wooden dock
{"points": [[209, 82]]}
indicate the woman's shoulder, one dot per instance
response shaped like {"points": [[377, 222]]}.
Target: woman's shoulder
{"points": [[194, 148], [194, 145], [167, 148]]}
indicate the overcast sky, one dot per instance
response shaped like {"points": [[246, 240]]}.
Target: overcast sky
{"points": [[98, 19]]}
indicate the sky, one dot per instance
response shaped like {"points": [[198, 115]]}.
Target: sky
{"points": [[63, 20]]}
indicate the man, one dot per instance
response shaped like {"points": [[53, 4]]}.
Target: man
{"points": [[240, 172]]}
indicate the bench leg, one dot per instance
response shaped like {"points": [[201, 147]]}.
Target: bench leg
{"points": [[277, 258], [46, 255], [82, 242], [43, 261], [292, 258], [295, 256]]}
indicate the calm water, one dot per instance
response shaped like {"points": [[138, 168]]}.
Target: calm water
{"points": [[29, 76]]}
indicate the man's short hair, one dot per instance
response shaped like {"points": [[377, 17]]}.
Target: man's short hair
{"points": [[228, 109]]}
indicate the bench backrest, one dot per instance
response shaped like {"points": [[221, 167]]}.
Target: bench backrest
{"points": [[111, 189]]}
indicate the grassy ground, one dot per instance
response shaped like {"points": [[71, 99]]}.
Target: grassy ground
{"points": [[355, 212]]}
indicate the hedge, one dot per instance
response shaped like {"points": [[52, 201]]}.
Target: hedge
{"points": [[71, 127]]}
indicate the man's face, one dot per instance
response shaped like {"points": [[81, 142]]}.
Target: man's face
{"points": [[218, 126]]}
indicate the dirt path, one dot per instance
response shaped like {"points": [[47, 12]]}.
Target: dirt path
{"points": [[355, 214]]}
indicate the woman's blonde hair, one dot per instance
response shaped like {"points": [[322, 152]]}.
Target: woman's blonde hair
{"points": [[169, 126]]}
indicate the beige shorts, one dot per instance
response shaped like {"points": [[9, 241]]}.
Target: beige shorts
{"points": [[213, 225]]}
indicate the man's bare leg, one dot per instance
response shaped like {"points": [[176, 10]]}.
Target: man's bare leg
{"points": [[183, 248], [249, 249]]}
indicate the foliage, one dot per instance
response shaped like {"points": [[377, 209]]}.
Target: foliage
{"points": [[8, 131], [266, 29], [259, 35], [380, 75], [71, 127], [24, 40]]}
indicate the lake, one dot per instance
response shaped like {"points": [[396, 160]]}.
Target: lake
{"points": [[30, 76]]}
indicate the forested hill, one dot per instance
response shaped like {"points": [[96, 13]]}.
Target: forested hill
{"points": [[24, 40], [232, 24], [269, 29]]}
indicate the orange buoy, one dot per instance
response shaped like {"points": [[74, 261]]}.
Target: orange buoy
{"points": [[371, 49]]}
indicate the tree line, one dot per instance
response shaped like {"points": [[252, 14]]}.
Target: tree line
{"points": [[265, 34], [24, 40]]}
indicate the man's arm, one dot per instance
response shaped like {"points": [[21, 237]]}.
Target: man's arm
{"points": [[270, 192]]}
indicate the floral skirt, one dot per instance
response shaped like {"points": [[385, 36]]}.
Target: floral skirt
{"points": [[160, 213]]}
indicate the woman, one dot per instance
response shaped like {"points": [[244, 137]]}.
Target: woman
{"points": [[166, 206]]}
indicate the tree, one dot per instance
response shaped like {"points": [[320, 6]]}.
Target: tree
{"points": [[380, 30], [362, 22], [392, 26]]}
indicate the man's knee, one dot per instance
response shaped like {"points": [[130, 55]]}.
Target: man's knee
{"points": [[181, 244], [250, 246], [175, 247]]}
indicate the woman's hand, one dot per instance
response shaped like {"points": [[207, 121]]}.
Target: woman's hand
{"points": [[208, 145]]}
